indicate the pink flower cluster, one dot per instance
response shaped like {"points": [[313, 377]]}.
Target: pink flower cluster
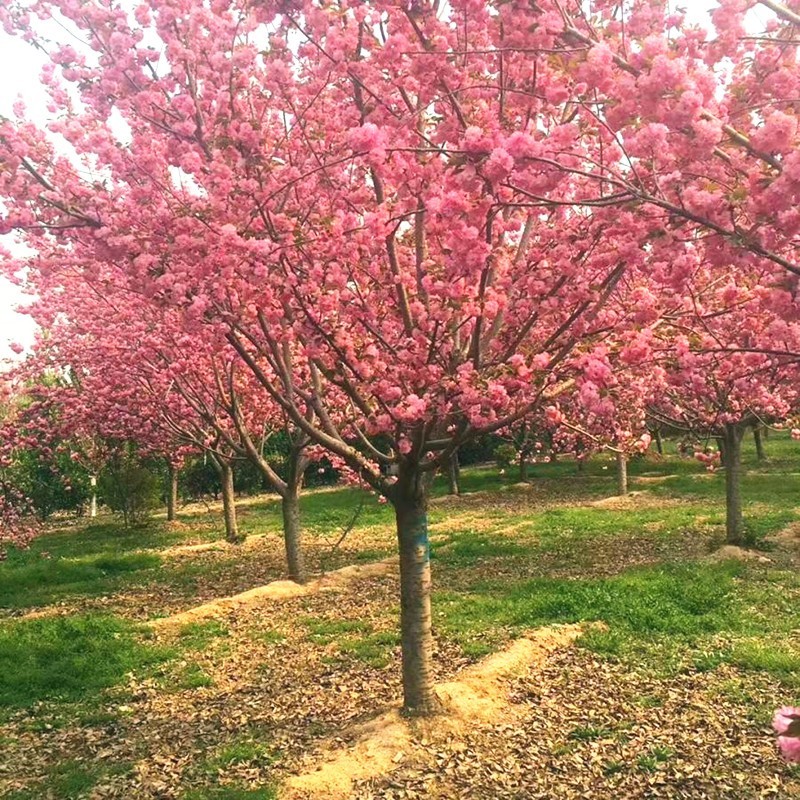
{"points": [[711, 458], [786, 723]]}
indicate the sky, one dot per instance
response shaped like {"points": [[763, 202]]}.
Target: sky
{"points": [[20, 65]]}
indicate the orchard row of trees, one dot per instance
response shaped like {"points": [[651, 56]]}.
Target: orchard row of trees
{"points": [[55, 474], [383, 229]]}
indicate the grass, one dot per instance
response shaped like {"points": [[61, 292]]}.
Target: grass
{"points": [[72, 778], [190, 676], [354, 639], [568, 564], [374, 650], [668, 617], [325, 631], [66, 658], [678, 600], [650, 761], [240, 751], [99, 558], [69, 780], [588, 734], [230, 793], [200, 635], [246, 751], [49, 580], [781, 661]]}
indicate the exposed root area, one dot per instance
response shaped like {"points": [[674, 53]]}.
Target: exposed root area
{"points": [[478, 695], [624, 502], [731, 552], [277, 590], [788, 537]]}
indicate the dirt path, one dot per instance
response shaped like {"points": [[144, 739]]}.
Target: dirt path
{"points": [[277, 590], [478, 695]]}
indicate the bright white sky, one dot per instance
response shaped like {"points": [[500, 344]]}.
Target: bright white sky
{"points": [[20, 65]]}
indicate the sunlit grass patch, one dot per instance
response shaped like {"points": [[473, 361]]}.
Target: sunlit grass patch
{"points": [[199, 635], [40, 580], [69, 658]]}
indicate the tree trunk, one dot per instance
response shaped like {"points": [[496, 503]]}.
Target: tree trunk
{"points": [[410, 502], [172, 494], [622, 474], [759, 441], [453, 475], [734, 520], [229, 503], [93, 500], [523, 467], [659, 441], [292, 535], [296, 466]]}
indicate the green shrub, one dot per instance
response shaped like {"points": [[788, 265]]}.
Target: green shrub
{"points": [[129, 488], [505, 455]]}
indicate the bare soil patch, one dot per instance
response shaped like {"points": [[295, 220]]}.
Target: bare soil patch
{"points": [[590, 728], [732, 552], [788, 537], [478, 695], [277, 590]]}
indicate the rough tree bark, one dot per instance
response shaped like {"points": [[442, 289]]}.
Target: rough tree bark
{"points": [[758, 438], [410, 500], [453, 475], [622, 474], [296, 464], [732, 459], [172, 493], [225, 471]]}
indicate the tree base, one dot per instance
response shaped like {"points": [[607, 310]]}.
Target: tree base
{"points": [[430, 708]]}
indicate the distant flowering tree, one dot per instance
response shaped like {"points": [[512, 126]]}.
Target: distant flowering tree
{"points": [[729, 354], [143, 372]]}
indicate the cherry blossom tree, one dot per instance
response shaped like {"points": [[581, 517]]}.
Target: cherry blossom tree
{"points": [[144, 364], [729, 350], [409, 221]]}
